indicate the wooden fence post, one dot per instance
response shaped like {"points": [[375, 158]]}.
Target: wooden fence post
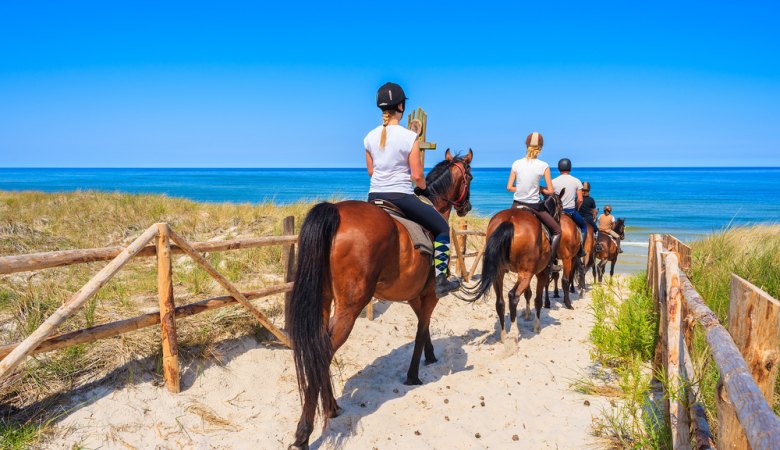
{"points": [[754, 324], [74, 303], [288, 254], [170, 347], [678, 414]]}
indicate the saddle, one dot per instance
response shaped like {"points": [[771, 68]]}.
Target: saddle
{"points": [[421, 238], [546, 230]]}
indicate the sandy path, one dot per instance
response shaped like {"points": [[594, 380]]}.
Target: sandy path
{"points": [[481, 394]]}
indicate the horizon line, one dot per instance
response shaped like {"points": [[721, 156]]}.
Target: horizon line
{"points": [[361, 167]]}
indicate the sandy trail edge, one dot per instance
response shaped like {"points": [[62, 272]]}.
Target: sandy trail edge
{"points": [[480, 394]]}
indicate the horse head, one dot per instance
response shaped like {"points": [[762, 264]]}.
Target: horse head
{"points": [[449, 184], [620, 227], [554, 205]]}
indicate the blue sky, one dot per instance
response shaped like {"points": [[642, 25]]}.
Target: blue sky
{"points": [[292, 84]]}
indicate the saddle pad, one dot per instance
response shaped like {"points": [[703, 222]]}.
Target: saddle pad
{"points": [[546, 230], [420, 236]]}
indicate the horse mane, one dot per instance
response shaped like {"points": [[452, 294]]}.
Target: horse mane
{"points": [[439, 179]]}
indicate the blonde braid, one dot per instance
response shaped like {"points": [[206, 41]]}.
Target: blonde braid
{"points": [[533, 151], [385, 119]]}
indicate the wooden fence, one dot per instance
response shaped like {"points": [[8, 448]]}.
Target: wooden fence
{"points": [[161, 241], [746, 355]]}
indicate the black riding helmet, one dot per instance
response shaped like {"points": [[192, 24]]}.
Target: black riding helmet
{"points": [[564, 165], [389, 96]]}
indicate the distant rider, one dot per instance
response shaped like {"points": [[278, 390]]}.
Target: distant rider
{"points": [[392, 156], [605, 226], [572, 197], [587, 208], [527, 173]]}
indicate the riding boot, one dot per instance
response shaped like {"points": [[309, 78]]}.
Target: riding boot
{"points": [[556, 241], [617, 241], [441, 262]]}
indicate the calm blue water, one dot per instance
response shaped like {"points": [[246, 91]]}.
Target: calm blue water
{"points": [[685, 202]]}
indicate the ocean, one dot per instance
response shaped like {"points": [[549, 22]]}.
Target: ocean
{"points": [[686, 202]]}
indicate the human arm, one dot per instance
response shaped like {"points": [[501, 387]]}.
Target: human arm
{"points": [[549, 189], [510, 185], [369, 164], [578, 203], [415, 166]]}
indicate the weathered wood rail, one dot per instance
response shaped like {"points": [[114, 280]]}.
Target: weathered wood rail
{"points": [[161, 241], [746, 355]]}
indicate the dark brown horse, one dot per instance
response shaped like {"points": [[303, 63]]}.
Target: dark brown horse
{"points": [[589, 260], [567, 255], [516, 242], [608, 250], [348, 253]]}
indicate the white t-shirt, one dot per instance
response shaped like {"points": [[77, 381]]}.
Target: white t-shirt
{"points": [[572, 185], [391, 164], [528, 174]]}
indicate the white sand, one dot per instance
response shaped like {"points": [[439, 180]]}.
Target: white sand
{"points": [[480, 394]]}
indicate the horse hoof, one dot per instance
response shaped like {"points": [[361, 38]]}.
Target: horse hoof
{"points": [[428, 362], [412, 381], [298, 447], [336, 412], [547, 305], [568, 306], [537, 327]]}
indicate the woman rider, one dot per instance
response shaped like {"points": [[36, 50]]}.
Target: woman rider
{"points": [[392, 156], [527, 173]]}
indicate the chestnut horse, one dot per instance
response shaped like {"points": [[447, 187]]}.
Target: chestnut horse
{"points": [[349, 252], [567, 254], [608, 249], [516, 242]]}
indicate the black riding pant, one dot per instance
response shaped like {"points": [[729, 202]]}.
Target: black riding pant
{"points": [[417, 211], [542, 214]]}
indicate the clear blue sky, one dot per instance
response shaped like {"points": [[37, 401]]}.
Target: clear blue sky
{"points": [[292, 84]]}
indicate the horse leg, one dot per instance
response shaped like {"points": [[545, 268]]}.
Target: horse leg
{"points": [[527, 293], [543, 279], [547, 296], [423, 307], [514, 299], [566, 282], [500, 306], [555, 283], [612, 269], [339, 328]]}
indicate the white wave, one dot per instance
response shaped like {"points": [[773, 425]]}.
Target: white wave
{"points": [[634, 244]]}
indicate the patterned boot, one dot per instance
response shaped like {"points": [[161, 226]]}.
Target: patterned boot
{"points": [[441, 263]]}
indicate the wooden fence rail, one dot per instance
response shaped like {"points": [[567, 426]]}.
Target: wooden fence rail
{"points": [[746, 355], [166, 242]]}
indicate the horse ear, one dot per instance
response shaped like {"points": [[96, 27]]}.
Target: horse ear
{"points": [[469, 157], [448, 155]]}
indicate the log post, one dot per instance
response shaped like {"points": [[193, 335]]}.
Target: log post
{"points": [[754, 324], [74, 303], [170, 347], [201, 261], [477, 260], [464, 226], [288, 254], [678, 414], [659, 362]]}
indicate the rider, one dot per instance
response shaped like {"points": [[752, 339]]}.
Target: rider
{"points": [[587, 208], [528, 172], [392, 156], [572, 198], [605, 226]]}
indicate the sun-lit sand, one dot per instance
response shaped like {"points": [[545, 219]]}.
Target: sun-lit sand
{"points": [[481, 394]]}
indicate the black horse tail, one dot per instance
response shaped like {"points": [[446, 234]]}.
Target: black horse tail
{"points": [[311, 346], [494, 262]]}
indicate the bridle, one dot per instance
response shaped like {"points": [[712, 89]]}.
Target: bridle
{"points": [[465, 171]]}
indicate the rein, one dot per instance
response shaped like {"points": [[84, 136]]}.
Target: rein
{"points": [[464, 170]]}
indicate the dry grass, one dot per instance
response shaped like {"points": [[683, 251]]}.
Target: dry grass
{"points": [[33, 222]]}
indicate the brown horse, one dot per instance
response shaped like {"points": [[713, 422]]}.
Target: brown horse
{"points": [[608, 250], [516, 242], [567, 254], [348, 253]]}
